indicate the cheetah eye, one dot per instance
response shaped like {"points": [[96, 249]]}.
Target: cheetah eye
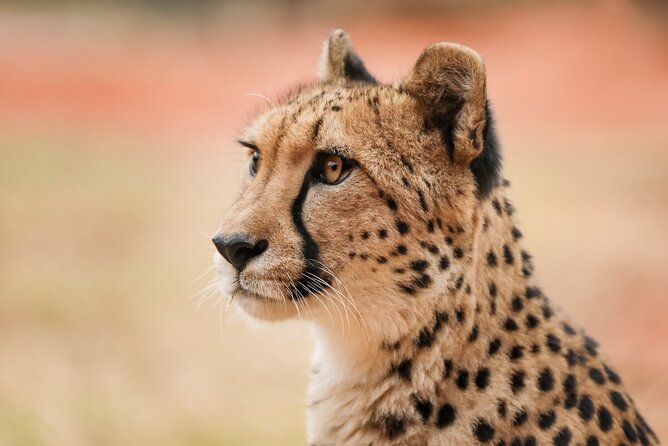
{"points": [[333, 169], [254, 163]]}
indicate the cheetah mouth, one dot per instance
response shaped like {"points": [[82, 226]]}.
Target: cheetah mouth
{"points": [[261, 290]]}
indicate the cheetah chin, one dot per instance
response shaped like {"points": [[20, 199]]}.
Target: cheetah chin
{"points": [[378, 213]]}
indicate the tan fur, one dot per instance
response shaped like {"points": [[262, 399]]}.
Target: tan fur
{"points": [[367, 323]]}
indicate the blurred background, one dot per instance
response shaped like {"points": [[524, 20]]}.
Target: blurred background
{"points": [[117, 161]]}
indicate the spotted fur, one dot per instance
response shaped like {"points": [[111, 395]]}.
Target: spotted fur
{"points": [[430, 328]]}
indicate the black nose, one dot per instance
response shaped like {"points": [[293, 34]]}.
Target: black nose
{"points": [[238, 249]]}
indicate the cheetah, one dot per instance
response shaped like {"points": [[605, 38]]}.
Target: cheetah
{"points": [[378, 212]]}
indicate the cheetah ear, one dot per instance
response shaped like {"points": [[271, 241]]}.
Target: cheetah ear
{"points": [[339, 61], [448, 80]]}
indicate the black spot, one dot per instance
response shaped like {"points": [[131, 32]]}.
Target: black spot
{"points": [[516, 233], [546, 419], [546, 380], [444, 263], [423, 202], [520, 418], [458, 253], [571, 357], [568, 329], [553, 343], [403, 369], [492, 289], [459, 282], [399, 270], [547, 311], [508, 255], [422, 281], [530, 441], [532, 321], [591, 345], [586, 408], [482, 378], [604, 419], [419, 265], [316, 129], [491, 258], [501, 408], [494, 346], [497, 207], [430, 225], [535, 348], [424, 408], [508, 206], [618, 400], [517, 304], [406, 164], [460, 314], [448, 240], [336, 108], [463, 379], [563, 437], [402, 227], [510, 325], [516, 352], [532, 292], [592, 441], [473, 336], [401, 249], [597, 376], [381, 260], [517, 381], [382, 233], [352, 255], [425, 338], [447, 368], [483, 431], [391, 203], [394, 426], [446, 416], [612, 375], [408, 289], [570, 383], [365, 235]]}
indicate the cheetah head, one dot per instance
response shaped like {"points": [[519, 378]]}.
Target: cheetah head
{"points": [[353, 188]]}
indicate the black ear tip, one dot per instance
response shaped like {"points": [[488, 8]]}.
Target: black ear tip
{"points": [[354, 69], [486, 167]]}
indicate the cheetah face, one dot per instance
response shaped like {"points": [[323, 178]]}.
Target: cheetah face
{"points": [[350, 185]]}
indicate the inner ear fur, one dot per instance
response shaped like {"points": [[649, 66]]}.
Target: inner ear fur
{"points": [[340, 62], [449, 81]]}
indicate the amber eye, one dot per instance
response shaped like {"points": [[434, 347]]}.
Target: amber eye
{"points": [[334, 169], [254, 162]]}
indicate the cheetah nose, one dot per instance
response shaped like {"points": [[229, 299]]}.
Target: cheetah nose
{"points": [[238, 249]]}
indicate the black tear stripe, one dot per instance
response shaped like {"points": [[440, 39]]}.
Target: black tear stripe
{"points": [[311, 281]]}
